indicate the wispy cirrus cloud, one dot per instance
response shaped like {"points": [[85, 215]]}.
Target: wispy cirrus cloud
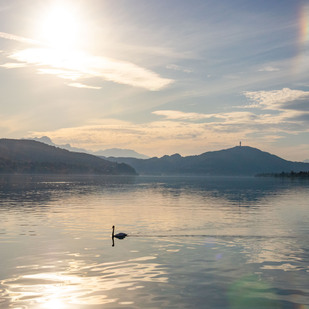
{"points": [[238, 117], [235, 121], [65, 74], [17, 38], [12, 65], [79, 65], [79, 85], [178, 115], [176, 67], [269, 69], [83, 65]]}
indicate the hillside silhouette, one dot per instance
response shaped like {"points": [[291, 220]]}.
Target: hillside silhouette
{"points": [[28, 156], [236, 161], [111, 152]]}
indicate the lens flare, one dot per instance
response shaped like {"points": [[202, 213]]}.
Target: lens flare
{"points": [[299, 63], [250, 292], [304, 25]]}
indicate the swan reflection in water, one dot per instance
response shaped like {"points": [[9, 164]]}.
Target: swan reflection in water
{"points": [[118, 235]]}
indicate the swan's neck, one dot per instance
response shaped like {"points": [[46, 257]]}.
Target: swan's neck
{"points": [[113, 231]]}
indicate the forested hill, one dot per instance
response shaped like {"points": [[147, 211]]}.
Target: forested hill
{"points": [[234, 161], [28, 156]]}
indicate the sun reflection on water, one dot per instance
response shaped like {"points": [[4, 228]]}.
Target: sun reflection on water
{"points": [[80, 284]]}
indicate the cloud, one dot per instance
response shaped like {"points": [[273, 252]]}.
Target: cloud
{"points": [[268, 69], [155, 138], [13, 65], [178, 115], [282, 122], [75, 65], [217, 120], [17, 38], [303, 117], [176, 67], [79, 85], [291, 108], [82, 65], [65, 74], [276, 99], [181, 132]]}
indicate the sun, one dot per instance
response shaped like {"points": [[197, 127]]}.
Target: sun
{"points": [[60, 27]]}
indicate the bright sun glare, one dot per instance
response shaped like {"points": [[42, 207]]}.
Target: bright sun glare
{"points": [[61, 28]]}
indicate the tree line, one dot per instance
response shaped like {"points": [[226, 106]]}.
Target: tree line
{"points": [[292, 174]]}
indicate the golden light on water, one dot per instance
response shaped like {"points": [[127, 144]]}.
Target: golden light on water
{"points": [[90, 285], [54, 303]]}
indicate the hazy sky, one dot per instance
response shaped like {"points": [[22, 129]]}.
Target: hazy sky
{"points": [[157, 76]]}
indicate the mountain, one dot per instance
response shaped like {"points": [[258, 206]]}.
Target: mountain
{"points": [[28, 156], [240, 160], [118, 152], [112, 152], [48, 141]]}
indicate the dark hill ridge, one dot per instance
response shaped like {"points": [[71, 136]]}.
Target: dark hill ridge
{"points": [[240, 160], [28, 156]]}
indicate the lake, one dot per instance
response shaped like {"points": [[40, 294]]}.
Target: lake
{"points": [[194, 242]]}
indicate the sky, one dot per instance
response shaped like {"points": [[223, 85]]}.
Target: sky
{"points": [[159, 77]]}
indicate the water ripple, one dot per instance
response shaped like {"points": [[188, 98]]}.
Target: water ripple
{"points": [[80, 284]]}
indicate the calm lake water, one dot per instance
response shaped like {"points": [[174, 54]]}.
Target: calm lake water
{"points": [[194, 242]]}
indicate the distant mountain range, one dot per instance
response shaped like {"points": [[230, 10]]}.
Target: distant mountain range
{"points": [[113, 152], [28, 156], [240, 160], [118, 152]]}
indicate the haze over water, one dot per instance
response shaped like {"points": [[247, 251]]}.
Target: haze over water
{"points": [[194, 242]]}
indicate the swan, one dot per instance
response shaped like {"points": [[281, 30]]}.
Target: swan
{"points": [[119, 235]]}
